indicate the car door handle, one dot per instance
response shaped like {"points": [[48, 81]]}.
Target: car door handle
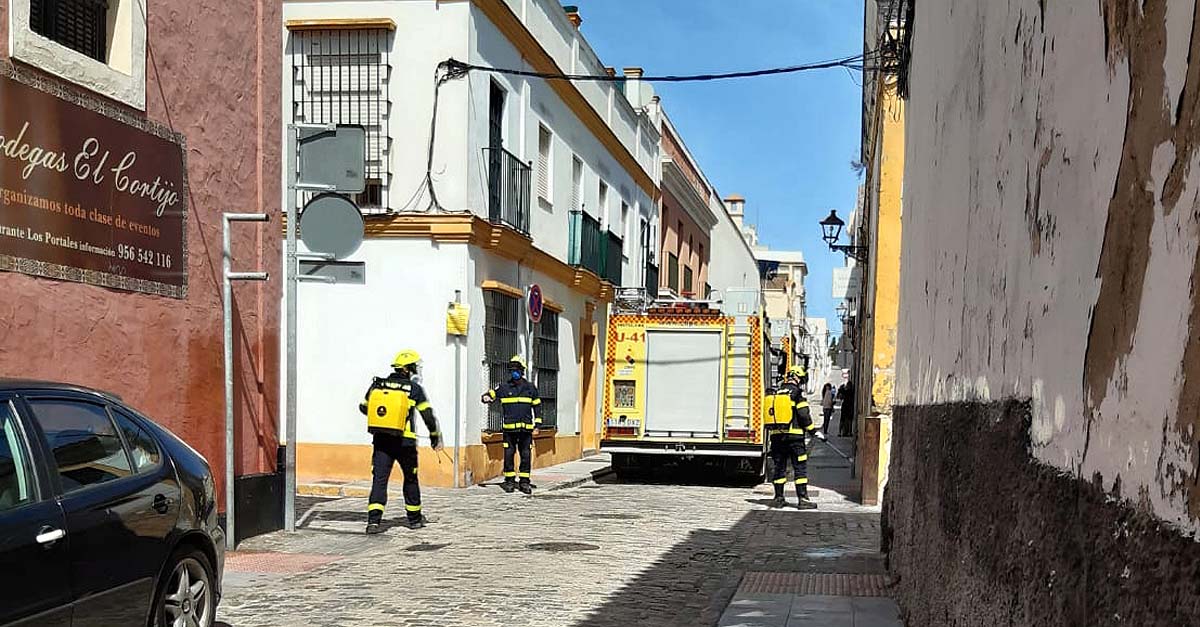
{"points": [[161, 504], [50, 535]]}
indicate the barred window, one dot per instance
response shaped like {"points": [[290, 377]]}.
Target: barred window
{"points": [[545, 365], [81, 25], [502, 315], [342, 77]]}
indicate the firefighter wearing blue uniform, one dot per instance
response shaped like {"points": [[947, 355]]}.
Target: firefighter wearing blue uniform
{"points": [[520, 408], [389, 406], [789, 439]]}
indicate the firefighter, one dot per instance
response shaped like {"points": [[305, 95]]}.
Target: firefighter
{"points": [[520, 408], [389, 405], [788, 439]]}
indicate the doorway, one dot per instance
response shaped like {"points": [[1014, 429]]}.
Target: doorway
{"points": [[589, 426]]}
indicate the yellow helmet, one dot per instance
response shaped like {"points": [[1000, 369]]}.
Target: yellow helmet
{"points": [[406, 357], [517, 361], [798, 372]]}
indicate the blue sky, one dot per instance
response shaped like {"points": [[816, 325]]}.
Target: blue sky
{"points": [[784, 142]]}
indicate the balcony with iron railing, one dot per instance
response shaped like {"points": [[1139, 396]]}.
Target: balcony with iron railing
{"points": [[509, 189], [651, 279], [612, 259], [586, 247], [591, 248]]}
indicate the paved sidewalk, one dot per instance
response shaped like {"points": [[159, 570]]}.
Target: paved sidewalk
{"points": [[845, 594], [558, 477]]}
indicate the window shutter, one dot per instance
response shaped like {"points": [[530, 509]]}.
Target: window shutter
{"points": [[543, 174], [576, 184]]}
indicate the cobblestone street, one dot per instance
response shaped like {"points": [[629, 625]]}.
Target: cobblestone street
{"points": [[607, 553]]}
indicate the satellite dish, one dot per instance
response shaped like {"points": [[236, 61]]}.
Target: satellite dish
{"points": [[331, 224]]}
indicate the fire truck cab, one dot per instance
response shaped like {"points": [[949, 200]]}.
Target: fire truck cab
{"points": [[684, 379]]}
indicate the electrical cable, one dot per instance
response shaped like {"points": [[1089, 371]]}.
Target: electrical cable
{"points": [[852, 62]]}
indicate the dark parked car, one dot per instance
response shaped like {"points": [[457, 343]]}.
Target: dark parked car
{"points": [[106, 519]]}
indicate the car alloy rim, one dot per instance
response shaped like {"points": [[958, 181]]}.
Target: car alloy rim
{"points": [[187, 600]]}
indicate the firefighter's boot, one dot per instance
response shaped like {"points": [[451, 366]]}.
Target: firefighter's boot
{"points": [[416, 523], [374, 528], [804, 502], [375, 522], [778, 501], [508, 486], [525, 488]]}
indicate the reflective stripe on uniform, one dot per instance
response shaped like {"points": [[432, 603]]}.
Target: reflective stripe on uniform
{"points": [[516, 399], [412, 508], [375, 507], [506, 445], [492, 393], [523, 475], [510, 474], [812, 427], [536, 401], [781, 480], [802, 458], [519, 425], [802, 480], [795, 431], [802, 405], [423, 406]]}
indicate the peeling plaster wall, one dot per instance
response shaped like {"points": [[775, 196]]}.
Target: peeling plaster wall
{"points": [[216, 80], [1051, 232]]}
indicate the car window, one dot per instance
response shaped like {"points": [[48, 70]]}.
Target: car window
{"points": [[85, 443], [16, 474], [142, 448]]}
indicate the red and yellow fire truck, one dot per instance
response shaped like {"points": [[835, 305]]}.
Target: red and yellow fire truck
{"points": [[685, 379]]}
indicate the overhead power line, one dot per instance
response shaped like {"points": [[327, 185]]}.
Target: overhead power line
{"points": [[458, 68]]}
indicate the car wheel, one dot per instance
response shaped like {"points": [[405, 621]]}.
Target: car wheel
{"points": [[186, 597]]}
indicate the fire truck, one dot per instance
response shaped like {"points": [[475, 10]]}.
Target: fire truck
{"points": [[684, 380]]}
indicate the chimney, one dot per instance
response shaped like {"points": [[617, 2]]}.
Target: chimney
{"points": [[634, 87], [573, 14], [611, 71]]}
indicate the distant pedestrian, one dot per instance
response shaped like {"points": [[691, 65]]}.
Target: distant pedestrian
{"points": [[846, 420], [826, 407]]}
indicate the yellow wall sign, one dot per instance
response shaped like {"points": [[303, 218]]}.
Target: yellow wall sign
{"points": [[457, 317]]}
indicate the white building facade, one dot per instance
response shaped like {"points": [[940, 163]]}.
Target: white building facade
{"points": [[536, 182]]}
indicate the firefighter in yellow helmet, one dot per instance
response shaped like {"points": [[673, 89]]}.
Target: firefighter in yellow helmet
{"points": [[389, 406], [520, 407], [788, 439]]}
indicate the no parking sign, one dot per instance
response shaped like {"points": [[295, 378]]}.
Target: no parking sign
{"points": [[536, 303]]}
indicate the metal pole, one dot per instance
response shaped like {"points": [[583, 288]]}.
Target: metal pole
{"points": [[290, 270], [228, 277], [292, 280], [458, 395]]}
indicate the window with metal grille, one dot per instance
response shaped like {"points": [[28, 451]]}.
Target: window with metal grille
{"points": [[502, 316], [543, 172], [341, 77], [545, 366], [81, 25]]}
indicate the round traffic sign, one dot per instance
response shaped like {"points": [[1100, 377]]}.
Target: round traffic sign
{"points": [[331, 224], [536, 303]]}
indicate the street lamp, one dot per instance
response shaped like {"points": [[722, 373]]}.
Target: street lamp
{"points": [[843, 312], [831, 232]]}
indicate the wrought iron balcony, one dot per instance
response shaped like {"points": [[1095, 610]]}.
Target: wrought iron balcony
{"points": [[612, 259], [586, 248], [509, 189]]}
